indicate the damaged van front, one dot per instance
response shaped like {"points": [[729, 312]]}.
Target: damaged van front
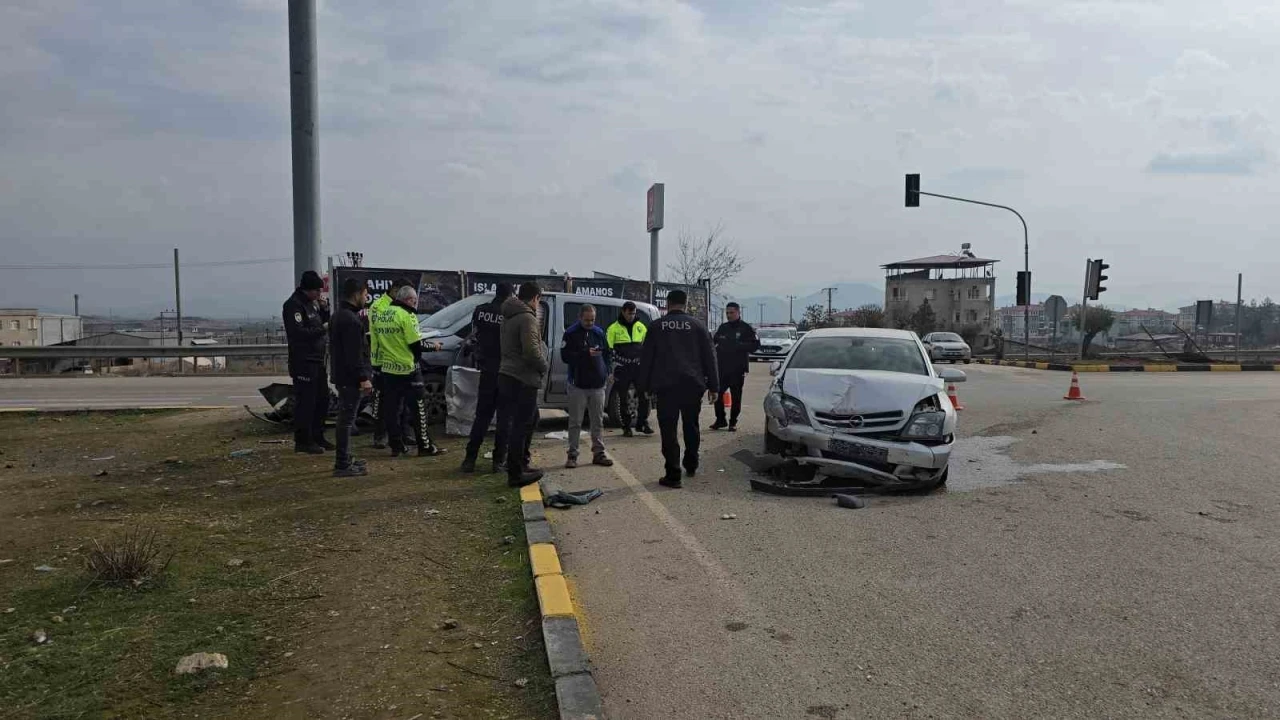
{"points": [[864, 405]]}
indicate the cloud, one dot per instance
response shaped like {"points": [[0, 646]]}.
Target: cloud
{"points": [[1235, 161]]}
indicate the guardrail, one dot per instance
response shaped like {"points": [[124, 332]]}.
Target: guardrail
{"points": [[1120, 354], [19, 355]]}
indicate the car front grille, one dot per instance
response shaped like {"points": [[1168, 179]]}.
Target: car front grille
{"points": [[870, 421], [770, 349]]}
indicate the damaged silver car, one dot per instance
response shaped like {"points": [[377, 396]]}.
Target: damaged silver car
{"points": [[864, 407]]}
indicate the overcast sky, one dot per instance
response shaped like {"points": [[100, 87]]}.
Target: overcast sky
{"points": [[519, 136]]}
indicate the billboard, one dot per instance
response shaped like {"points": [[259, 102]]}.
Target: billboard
{"points": [[698, 305], [654, 207], [483, 283], [597, 287], [436, 288]]}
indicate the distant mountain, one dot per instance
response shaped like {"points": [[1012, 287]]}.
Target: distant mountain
{"points": [[775, 309]]}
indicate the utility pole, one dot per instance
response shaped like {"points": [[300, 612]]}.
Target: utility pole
{"points": [[77, 311], [177, 297], [1239, 304], [791, 308], [655, 201], [306, 143], [828, 291], [761, 312]]}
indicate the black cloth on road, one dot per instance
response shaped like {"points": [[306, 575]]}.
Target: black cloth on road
{"points": [[677, 354], [518, 410], [310, 403], [733, 384], [680, 405], [304, 328]]}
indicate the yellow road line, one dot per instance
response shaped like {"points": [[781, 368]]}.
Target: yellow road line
{"points": [[544, 559], [1224, 368], [1160, 368]]}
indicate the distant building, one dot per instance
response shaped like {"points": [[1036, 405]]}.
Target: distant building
{"points": [[1132, 322], [961, 289], [28, 327], [1224, 314]]}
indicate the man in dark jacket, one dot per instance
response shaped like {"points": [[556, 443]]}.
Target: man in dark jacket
{"points": [[735, 341], [521, 375], [585, 351], [351, 372], [678, 365], [306, 324], [486, 343], [626, 339]]}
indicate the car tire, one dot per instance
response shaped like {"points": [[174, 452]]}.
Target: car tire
{"points": [[942, 481], [434, 397], [967, 361]]}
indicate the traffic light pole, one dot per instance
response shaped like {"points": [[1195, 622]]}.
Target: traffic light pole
{"points": [[1026, 262], [1084, 305]]}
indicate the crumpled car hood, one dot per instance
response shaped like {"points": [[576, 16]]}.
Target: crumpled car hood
{"points": [[848, 392]]}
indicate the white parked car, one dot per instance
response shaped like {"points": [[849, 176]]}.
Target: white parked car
{"points": [[864, 404], [947, 346]]}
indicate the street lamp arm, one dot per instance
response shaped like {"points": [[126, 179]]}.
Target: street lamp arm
{"points": [[979, 202]]}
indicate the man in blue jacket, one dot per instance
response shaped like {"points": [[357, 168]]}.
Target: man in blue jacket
{"points": [[585, 350]]}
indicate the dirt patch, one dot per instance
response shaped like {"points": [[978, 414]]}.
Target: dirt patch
{"points": [[327, 596]]}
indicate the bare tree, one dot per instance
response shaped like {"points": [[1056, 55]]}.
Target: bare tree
{"points": [[712, 256]]}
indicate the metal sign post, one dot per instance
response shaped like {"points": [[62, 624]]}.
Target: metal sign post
{"points": [[653, 223]]}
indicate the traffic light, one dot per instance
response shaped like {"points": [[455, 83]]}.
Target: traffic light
{"points": [[1024, 287], [1093, 285], [913, 189]]}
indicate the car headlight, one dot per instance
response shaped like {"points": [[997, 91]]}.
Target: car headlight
{"points": [[786, 409], [927, 424]]}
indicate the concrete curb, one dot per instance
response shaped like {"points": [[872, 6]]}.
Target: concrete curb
{"points": [[577, 695], [1153, 367]]}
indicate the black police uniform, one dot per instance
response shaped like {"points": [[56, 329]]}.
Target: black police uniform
{"points": [[304, 322], [735, 341], [486, 328], [678, 365]]}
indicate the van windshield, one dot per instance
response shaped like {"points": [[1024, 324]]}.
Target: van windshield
{"points": [[449, 316]]}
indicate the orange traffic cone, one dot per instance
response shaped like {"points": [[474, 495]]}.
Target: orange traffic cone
{"points": [[1074, 392], [727, 399], [951, 395]]}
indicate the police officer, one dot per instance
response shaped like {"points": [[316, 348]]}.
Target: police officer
{"points": [[400, 345], [626, 339], [735, 341], [306, 325], [678, 364], [486, 341], [380, 305]]}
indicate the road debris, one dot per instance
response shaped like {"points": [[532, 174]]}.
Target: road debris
{"points": [[44, 568], [853, 502], [522, 683], [104, 458], [101, 473], [557, 435], [246, 452], [196, 662], [449, 624], [38, 637], [729, 516], [235, 562]]}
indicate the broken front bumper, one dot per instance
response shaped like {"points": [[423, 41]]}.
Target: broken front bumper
{"points": [[896, 463]]}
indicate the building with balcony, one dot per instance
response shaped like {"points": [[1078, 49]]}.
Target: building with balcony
{"points": [[960, 288]]}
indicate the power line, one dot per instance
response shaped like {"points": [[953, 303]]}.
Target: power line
{"points": [[144, 266]]}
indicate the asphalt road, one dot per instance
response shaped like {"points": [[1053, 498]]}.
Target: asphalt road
{"points": [[1112, 558], [113, 393]]}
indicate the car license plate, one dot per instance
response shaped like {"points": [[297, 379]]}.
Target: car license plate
{"points": [[858, 452]]}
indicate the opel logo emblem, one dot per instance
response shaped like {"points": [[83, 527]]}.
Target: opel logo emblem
{"points": [[856, 421]]}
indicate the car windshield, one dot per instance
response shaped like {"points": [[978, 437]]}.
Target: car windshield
{"points": [[775, 334], [946, 337], [450, 316], [858, 353]]}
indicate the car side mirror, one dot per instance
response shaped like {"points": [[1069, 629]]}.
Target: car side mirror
{"points": [[950, 375], [775, 367]]}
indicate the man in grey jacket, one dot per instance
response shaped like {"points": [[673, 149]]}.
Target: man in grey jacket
{"points": [[520, 378]]}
